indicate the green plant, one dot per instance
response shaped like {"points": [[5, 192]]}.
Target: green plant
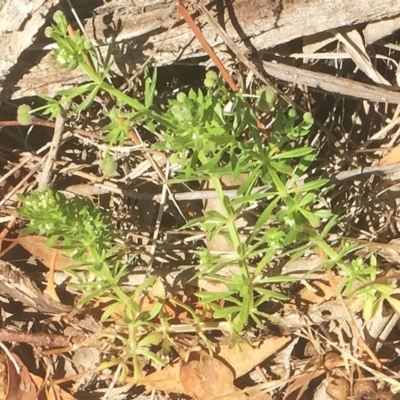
{"points": [[374, 294], [209, 133], [83, 231], [77, 52], [211, 142], [361, 282], [213, 133]]}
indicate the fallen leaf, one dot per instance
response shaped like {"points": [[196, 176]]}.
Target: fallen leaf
{"points": [[246, 357], [166, 380], [242, 360], [51, 392], [204, 377], [338, 388], [317, 293], [392, 157], [18, 286], [35, 245], [20, 384], [364, 389], [316, 367], [54, 392]]}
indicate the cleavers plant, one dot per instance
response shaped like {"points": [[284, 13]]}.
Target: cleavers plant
{"points": [[209, 133]]}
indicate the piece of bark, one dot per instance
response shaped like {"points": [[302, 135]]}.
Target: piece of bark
{"points": [[16, 285], [20, 20], [332, 84], [256, 24]]}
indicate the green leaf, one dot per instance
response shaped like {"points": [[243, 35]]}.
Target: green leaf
{"points": [[295, 153], [146, 284], [278, 279], [94, 294], [395, 303], [77, 91], [268, 295], [226, 311], [149, 354], [152, 338], [211, 297], [278, 183], [371, 308], [309, 186], [149, 87], [249, 183], [109, 310], [263, 218]]}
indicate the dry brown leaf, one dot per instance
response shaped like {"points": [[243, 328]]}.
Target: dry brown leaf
{"points": [[316, 366], [35, 245], [20, 384], [241, 360], [392, 157], [367, 389], [302, 265], [384, 395], [246, 358], [166, 380], [18, 286], [85, 190], [3, 376], [53, 392], [338, 388], [322, 292], [204, 378], [364, 389]]}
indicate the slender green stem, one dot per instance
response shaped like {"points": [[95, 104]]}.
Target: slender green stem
{"points": [[230, 221]]}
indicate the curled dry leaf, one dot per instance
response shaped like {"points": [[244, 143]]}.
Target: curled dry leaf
{"points": [[36, 245], [204, 377], [366, 390], [247, 357], [384, 395], [22, 385], [241, 360], [338, 388], [19, 383], [314, 368]]}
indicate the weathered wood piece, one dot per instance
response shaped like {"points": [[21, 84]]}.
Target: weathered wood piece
{"points": [[333, 84], [256, 25], [17, 286], [20, 20]]}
